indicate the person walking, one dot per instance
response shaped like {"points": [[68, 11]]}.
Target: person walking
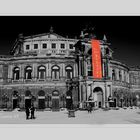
{"points": [[88, 108], [32, 112], [27, 113]]}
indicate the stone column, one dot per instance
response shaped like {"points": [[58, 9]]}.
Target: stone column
{"points": [[47, 71], [35, 71], [22, 71], [64, 72]]}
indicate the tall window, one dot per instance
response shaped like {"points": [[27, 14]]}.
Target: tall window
{"points": [[113, 75], [69, 72], [16, 73], [35, 46], [28, 72], [55, 72], [41, 72], [89, 67], [120, 76], [71, 46], [53, 46], [62, 46], [44, 45], [27, 47]]}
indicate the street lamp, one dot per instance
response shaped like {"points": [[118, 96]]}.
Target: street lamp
{"points": [[69, 99]]}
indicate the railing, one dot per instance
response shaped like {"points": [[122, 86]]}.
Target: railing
{"points": [[36, 80]]}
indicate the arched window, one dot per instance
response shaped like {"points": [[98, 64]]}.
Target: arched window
{"points": [[113, 75], [41, 72], [55, 72], [16, 73], [28, 93], [41, 93], [69, 72], [15, 93], [28, 72]]}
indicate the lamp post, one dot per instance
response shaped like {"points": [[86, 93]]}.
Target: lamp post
{"points": [[69, 98]]}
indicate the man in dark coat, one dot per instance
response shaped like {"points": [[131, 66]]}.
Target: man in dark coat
{"points": [[27, 113], [32, 112]]}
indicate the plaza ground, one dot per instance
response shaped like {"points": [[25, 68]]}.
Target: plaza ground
{"points": [[121, 116]]}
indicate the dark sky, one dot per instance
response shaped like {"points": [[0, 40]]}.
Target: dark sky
{"points": [[123, 32]]}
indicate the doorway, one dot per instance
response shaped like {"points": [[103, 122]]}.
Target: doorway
{"points": [[41, 103], [55, 101], [100, 104], [41, 99], [98, 96], [15, 103]]}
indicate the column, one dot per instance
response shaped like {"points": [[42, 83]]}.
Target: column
{"points": [[47, 71], [64, 72], [22, 71]]}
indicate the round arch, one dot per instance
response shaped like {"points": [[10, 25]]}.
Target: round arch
{"points": [[97, 89], [41, 93], [15, 93], [55, 93], [28, 93], [98, 97]]}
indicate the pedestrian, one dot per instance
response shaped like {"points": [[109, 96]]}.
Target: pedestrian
{"points": [[27, 113], [88, 108], [32, 112]]}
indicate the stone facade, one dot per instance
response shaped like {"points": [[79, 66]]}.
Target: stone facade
{"points": [[41, 68]]}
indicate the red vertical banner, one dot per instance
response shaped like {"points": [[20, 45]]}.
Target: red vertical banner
{"points": [[96, 59]]}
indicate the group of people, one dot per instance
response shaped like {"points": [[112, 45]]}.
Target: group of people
{"points": [[89, 108], [30, 110]]}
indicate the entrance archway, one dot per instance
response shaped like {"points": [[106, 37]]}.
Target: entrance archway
{"points": [[41, 99], [98, 97], [55, 101], [28, 99], [15, 99]]}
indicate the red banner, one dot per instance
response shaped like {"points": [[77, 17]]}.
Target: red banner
{"points": [[96, 59]]}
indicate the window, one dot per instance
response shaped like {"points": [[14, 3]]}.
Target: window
{"points": [[69, 72], [44, 45], [35, 46], [62, 46], [16, 73], [53, 46], [41, 72], [113, 75], [89, 73], [71, 46], [28, 72], [27, 47], [120, 76], [55, 72]]}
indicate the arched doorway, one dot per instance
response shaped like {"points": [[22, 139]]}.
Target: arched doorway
{"points": [[98, 97], [15, 99], [41, 99], [28, 96], [55, 101]]}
